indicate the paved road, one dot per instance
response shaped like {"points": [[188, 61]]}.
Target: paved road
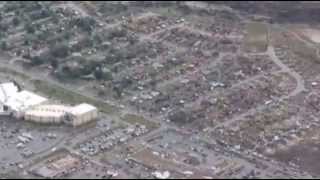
{"points": [[300, 81]]}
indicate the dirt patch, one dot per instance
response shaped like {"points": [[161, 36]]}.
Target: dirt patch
{"points": [[14, 73]]}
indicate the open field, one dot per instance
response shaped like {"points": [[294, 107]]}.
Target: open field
{"points": [[257, 37]]}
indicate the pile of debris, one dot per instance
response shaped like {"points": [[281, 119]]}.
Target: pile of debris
{"points": [[111, 138]]}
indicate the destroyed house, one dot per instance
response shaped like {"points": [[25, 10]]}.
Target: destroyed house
{"points": [[58, 168]]}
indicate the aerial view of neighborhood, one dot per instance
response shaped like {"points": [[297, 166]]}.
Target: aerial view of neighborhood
{"points": [[159, 89]]}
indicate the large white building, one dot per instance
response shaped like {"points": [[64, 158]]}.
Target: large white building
{"points": [[22, 101], [7, 90], [32, 107], [54, 114], [47, 113]]}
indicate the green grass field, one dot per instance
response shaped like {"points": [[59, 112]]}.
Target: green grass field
{"points": [[15, 73], [257, 37], [70, 96], [132, 119]]}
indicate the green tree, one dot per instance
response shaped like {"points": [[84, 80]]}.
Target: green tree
{"points": [[103, 74], [118, 90], [60, 50], [86, 24], [98, 74], [36, 60], [4, 27], [26, 55], [54, 63], [29, 28], [4, 45], [15, 21]]}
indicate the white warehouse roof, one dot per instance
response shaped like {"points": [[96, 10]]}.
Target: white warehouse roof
{"points": [[24, 99], [7, 90], [82, 108]]}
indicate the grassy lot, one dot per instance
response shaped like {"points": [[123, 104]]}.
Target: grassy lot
{"points": [[15, 73], [303, 50], [132, 119], [70, 96], [295, 45], [10, 175], [257, 37]]}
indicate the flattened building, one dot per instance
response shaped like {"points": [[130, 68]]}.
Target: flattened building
{"points": [[58, 167]]}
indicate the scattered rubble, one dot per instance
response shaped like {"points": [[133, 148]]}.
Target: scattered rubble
{"points": [[161, 175]]}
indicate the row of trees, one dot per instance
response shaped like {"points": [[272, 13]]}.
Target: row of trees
{"points": [[76, 70], [26, 13]]}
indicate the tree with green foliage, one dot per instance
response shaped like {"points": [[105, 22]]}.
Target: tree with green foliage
{"points": [[36, 60], [103, 74], [29, 28], [98, 74], [54, 63], [70, 71], [101, 92], [26, 55], [97, 38], [26, 42], [48, 58], [60, 51], [15, 21], [117, 32], [118, 90], [4, 27], [4, 45], [85, 23], [55, 18]]}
